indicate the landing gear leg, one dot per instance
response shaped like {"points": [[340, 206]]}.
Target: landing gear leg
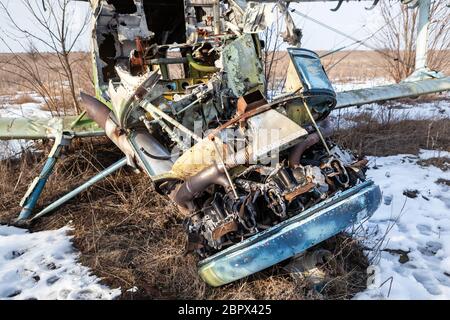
{"points": [[31, 198]]}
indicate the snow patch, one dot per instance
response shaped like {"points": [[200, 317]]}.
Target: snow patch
{"points": [[413, 263], [429, 154], [43, 266]]}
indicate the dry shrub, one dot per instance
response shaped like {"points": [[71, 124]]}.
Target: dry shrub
{"points": [[398, 39], [392, 135], [442, 163], [444, 182], [130, 236], [347, 269], [41, 73]]}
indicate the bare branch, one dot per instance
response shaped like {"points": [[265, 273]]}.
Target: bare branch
{"points": [[54, 30]]}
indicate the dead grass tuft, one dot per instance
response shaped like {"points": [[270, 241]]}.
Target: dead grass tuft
{"points": [[444, 182], [393, 136], [442, 163]]}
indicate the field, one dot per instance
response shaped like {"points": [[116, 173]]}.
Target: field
{"points": [[131, 238]]}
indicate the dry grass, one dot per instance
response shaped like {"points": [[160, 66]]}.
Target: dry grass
{"points": [[130, 236], [392, 135]]}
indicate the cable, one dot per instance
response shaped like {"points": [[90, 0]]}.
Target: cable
{"points": [[334, 50], [356, 41]]}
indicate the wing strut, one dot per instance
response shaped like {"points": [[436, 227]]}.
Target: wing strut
{"points": [[98, 177]]}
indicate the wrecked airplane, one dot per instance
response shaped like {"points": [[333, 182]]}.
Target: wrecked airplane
{"points": [[181, 90], [258, 181]]}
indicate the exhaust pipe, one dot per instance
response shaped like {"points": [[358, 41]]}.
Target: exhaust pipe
{"points": [[215, 174], [140, 147], [198, 183], [327, 131], [95, 109], [101, 114]]}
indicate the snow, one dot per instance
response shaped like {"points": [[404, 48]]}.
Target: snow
{"points": [[356, 84], [419, 227], [43, 265], [9, 108]]}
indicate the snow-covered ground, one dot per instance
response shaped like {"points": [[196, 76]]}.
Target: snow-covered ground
{"points": [[415, 259], [9, 108], [44, 266]]}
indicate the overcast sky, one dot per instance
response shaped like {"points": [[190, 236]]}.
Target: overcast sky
{"points": [[352, 19]]}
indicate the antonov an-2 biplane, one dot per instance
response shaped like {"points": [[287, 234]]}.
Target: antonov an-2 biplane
{"points": [[259, 180]]}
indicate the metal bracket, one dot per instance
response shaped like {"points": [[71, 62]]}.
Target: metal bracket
{"points": [[424, 74]]}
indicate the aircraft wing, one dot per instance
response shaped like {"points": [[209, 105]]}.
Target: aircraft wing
{"points": [[50, 128], [391, 92]]}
